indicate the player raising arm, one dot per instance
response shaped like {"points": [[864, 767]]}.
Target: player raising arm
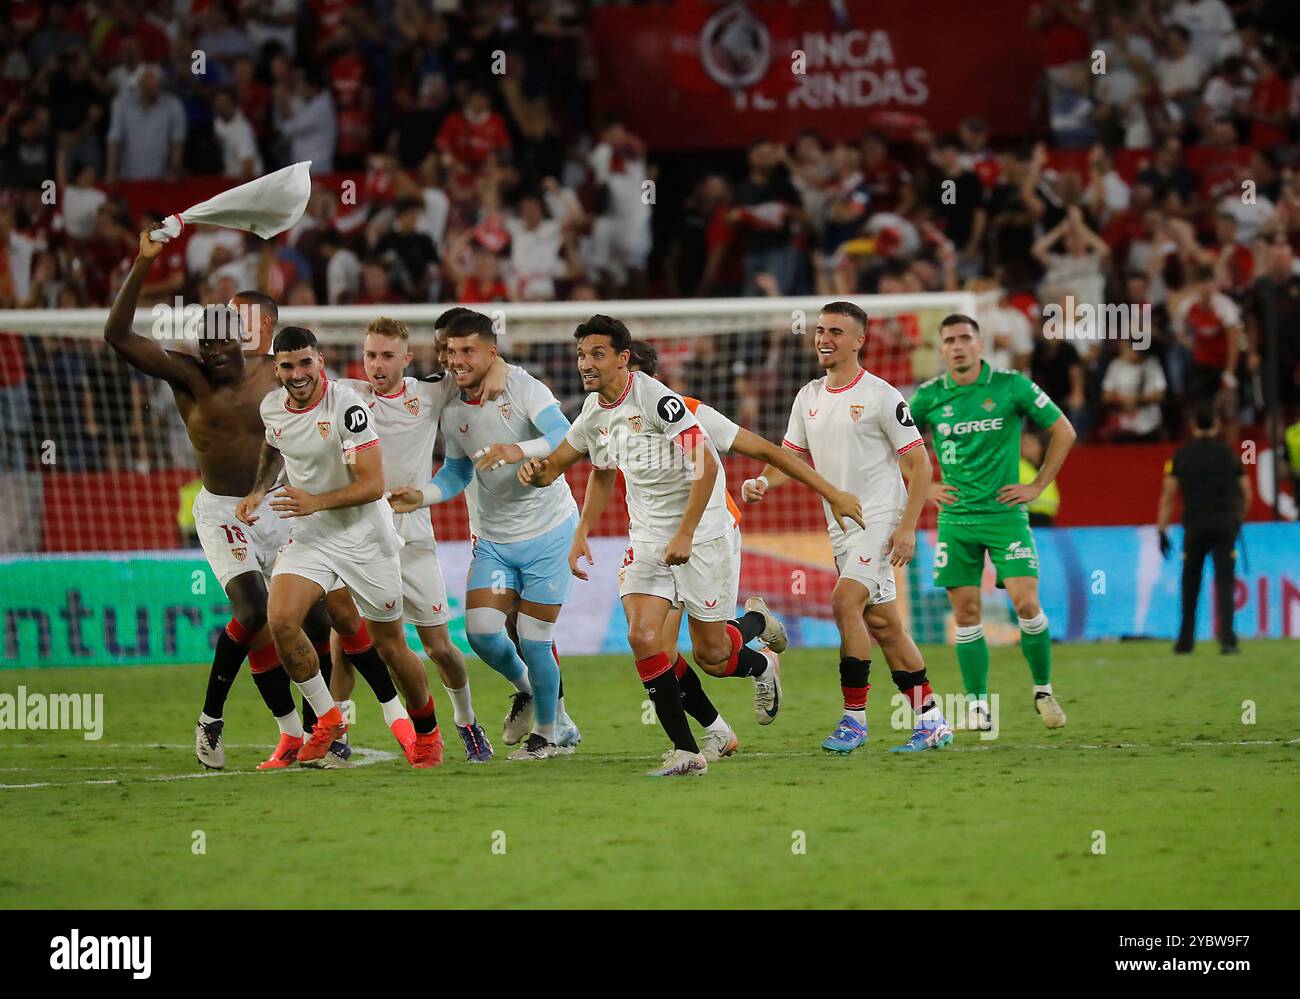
{"points": [[342, 536], [975, 413], [218, 394], [858, 432], [681, 549]]}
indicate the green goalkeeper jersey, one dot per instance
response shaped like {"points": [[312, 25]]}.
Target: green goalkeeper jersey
{"points": [[976, 431]]}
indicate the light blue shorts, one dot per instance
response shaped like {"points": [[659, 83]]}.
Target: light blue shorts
{"points": [[536, 569]]}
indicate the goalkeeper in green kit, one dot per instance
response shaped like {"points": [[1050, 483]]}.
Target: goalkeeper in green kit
{"points": [[975, 414]]}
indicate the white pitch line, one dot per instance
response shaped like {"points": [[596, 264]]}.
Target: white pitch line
{"points": [[361, 757], [90, 744]]}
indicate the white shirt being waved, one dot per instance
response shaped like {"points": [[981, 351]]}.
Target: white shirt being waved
{"points": [[316, 443], [407, 423], [506, 511], [638, 435], [855, 436]]}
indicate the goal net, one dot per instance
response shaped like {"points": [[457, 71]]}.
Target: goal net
{"points": [[97, 552]]}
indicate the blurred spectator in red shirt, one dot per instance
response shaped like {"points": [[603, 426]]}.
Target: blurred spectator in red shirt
{"points": [[128, 23], [1269, 102], [469, 136]]}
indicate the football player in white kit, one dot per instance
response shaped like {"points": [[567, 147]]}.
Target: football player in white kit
{"points": [[342, 536], [719, 739], [522, 536], [406, 412], [682, 537], [858, 432]]}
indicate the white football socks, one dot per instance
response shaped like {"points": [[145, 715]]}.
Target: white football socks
{"points": [[393, 710], [290, 725], [462, 708], [316, 693]]}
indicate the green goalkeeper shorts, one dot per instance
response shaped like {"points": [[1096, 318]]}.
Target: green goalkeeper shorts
{"points": [[959, 551]]}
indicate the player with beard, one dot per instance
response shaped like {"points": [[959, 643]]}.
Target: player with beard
{"points": [[523, 534], [218, 393], [406, 412], [320, 435], [719, 740], [681, 547]]}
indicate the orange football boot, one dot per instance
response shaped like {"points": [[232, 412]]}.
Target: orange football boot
{"points": [[329, 727], [404, 732], [428, 749], [286, 753]]}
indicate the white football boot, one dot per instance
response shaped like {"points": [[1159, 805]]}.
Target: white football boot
{"points": [[680, 763]]}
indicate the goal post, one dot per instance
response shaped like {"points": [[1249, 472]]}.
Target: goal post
{"points": [[96, 468]]}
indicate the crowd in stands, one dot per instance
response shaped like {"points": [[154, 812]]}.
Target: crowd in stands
{"points": [[1162, 173]]}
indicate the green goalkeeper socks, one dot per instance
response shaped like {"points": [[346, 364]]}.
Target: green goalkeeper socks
{"points": [[973, 659], [1036, 644]]}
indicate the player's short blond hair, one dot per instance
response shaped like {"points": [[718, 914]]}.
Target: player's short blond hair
{"points": [[384, 326]]}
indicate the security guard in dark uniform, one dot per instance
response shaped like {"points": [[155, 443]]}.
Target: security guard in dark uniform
{"points": [[1216, 495]]}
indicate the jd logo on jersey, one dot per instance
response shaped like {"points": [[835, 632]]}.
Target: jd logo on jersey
{"points": [[671, 408], [412, 406], [324, 427], [855, 413], [904, 415], [356, 418]]}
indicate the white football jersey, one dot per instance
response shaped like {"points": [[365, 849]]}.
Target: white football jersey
{"points": [[316, 443], [506, 511], [855, 436], [407, 424], [637, 434]]}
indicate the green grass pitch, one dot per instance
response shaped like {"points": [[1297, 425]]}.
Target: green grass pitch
{"points": [[1198, 808]]}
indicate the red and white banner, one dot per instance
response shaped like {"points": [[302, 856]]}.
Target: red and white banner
{"points": [[710, 74]]}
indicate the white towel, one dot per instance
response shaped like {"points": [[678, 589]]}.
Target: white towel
{"points": [[265, 207]]}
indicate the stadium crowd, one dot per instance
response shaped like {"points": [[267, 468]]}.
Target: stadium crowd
{"points": [[1165, 176]]}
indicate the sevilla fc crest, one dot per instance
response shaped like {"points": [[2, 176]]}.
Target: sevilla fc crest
{"points": [[324, 427], [604, 432], [412, 406], [505, 410], [855, 413], [636, 423], [241, 554]]}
